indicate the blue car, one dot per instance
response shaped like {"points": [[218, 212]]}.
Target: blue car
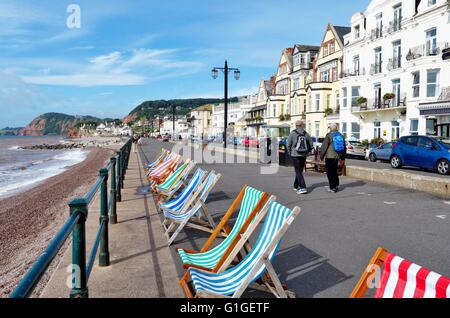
{"points": [[423, 152], [382, 152]]}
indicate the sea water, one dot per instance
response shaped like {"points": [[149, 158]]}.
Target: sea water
{"points": [[22, 169]]}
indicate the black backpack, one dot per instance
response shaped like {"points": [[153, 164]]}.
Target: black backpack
{"points": [[302, 144]]}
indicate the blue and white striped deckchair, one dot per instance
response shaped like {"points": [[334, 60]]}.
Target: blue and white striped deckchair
{"points": [[235, 280], [176, 205], [197, 208], [252, 201]]}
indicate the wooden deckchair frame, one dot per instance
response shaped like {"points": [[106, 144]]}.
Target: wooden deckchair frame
{"points": [[207, 226], [223, 227], [375, 264], [191, 197], [275, 285]]}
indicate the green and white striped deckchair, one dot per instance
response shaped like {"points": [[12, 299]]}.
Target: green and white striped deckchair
{"points": [[252, 200], [176, 222], [174, 182], [255, 270]]}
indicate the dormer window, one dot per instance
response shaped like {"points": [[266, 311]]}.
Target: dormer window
{"points": [[357, 31], [431, 2], [332, 47]]}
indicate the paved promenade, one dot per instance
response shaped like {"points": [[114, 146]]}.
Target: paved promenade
{"points": [[141, 263], [330, 243], [322, 254]]}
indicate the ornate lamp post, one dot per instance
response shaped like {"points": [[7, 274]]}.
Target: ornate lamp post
{"points": [[237, 76]]}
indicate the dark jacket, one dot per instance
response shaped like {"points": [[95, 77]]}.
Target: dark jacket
{"points": [[327, 149], [292, 141]]}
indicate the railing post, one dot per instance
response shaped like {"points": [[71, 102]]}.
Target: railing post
{"points": [[79, 279], [113, 212], [119, 177], [122, 167], [103, 258]]}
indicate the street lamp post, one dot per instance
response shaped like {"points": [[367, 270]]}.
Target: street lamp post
{"points": [[173, 122], [237, 76]]}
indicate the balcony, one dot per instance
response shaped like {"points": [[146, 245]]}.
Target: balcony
{"points": [[394, 26], [376, 68], [255, 121], [377, 104], [394, 63], [353, 72], [376, 33], [426, 50]]}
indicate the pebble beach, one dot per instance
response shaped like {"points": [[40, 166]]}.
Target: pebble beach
{"points": [[29, 220]]}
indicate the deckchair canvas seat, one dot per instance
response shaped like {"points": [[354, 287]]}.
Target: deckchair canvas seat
{"points": [[234, 281], [401, 279]]}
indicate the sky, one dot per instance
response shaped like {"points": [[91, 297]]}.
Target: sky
{"points": [[103, 58]]}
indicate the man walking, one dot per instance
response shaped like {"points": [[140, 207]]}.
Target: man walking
{"points": [[333, 149], [299, 145]]}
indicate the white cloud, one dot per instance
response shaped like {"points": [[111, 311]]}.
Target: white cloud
{"points": [[87, 80], [119, 69]]}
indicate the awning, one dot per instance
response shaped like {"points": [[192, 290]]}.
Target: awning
{"points": [[435, 108]]}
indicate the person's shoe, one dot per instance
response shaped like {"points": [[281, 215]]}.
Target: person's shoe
{"points": [[329, 189], [335, 190], [302, 191], [295, 189]]}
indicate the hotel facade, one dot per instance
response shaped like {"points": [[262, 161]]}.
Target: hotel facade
{"points": [[393, 70]]}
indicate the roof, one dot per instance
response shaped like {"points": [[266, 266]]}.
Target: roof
{"points": [[203, 108], [306, 48], [341, 31]]}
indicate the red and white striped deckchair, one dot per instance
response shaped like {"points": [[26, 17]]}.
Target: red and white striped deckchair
{"points": [[165, 169], [402, 279]]}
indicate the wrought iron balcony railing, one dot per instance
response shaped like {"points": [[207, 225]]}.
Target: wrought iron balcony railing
{"points": [[394, 63], [379, 103], [353, 72], [426, 50], [376, 68]]}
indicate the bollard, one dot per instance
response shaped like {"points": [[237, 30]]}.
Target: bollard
{"points": [[103, 259], [113, 212], [119, 179], [79, 280]]}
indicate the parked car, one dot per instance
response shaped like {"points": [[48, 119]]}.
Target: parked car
{"points": [[250, 142], [166, 138], [355, 149], [382, 152], [423, 152]]}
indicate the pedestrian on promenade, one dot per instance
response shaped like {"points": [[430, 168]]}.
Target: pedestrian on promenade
{"points": [[299, 146], [135, 141], [333, 150]]}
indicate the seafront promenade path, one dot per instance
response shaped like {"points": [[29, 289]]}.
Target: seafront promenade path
{"points": [[141, 263]]}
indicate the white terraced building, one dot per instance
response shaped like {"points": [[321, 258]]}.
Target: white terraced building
{"points": [[395, 47]]}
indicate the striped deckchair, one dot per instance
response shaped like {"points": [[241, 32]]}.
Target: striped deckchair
{"points": [[175, 181], [164, 153], [401, 279], [256, 264], [252, 200], [179, 203], [177, 222], [160, 173]]}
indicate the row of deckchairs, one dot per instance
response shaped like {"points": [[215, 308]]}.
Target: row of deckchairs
{"points": [[226, 268]]}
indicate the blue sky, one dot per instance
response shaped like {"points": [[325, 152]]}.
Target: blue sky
{"points": [[126, 52]]}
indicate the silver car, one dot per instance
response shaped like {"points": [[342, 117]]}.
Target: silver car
{"points": [[355, 149]]}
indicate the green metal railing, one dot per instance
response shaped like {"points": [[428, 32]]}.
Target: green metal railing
{"points": [[76, 225]]}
